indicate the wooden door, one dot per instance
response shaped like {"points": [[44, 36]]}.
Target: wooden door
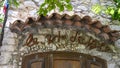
{"points": [[66, 60], [36, 63], [38, 60], [62, 60], [67, 64]]}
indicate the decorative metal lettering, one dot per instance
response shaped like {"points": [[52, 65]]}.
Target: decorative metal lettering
{"points": [[59, 37], [31, 41], [62, 41]]}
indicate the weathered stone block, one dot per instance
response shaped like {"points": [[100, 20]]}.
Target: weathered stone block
{"points": [[5, 57], [45, 31], [111, 65], [118, 43], [7, 66], [7, 48], [8, 41], [9, 34]]}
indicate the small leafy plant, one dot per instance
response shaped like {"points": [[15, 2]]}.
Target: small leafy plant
{"points": [[1, 18], [113, 11], [50, 5], [11, 2], [14, 2]]}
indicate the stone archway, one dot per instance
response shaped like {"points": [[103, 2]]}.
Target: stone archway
{"points": [[62, 33], [62, 60]]}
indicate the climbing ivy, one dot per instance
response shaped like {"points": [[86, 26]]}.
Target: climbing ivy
{"points": [[1, 16], [11, 2], [113, 11], [14, 2], [50, 5], [45, 7]]}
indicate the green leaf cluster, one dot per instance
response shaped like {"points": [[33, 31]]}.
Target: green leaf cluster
{"points": [[11, 2], [14, 2], [1, 3], [50, 5], [113, 11], [96, 8], [1, 18]]}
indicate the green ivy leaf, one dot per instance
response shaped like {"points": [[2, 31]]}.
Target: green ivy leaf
{"points": [[61, 8], [14, 2], [55, 1], [115, 15], [119, 11], [116, 1], [50, 2], [50, 8], [96, 8], [45, 12], [1, 3], [50, 5], [10, 2], [1, 20], [67, 1], [58, 4], [53, 6], [69, 7], [40, 11], [42, 5], [112, 11], [46, 1]]}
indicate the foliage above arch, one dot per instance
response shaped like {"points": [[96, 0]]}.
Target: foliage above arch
{"points": [[112, 10], [50, 5], [44, 8]]}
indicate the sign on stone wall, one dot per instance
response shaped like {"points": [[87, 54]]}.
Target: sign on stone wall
{"points": [[61, 39]]}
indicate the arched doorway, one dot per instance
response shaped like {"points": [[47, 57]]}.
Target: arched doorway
{"points": [[59, 59]]}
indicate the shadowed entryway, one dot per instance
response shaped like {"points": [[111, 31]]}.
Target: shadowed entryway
{"points": [[59, 59]]}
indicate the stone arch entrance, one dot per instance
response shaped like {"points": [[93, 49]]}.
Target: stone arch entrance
{"points": [[57, 28], [52, 41], [62, 59]]}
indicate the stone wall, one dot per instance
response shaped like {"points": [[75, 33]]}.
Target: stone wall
{"points": [[9, 50]]}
